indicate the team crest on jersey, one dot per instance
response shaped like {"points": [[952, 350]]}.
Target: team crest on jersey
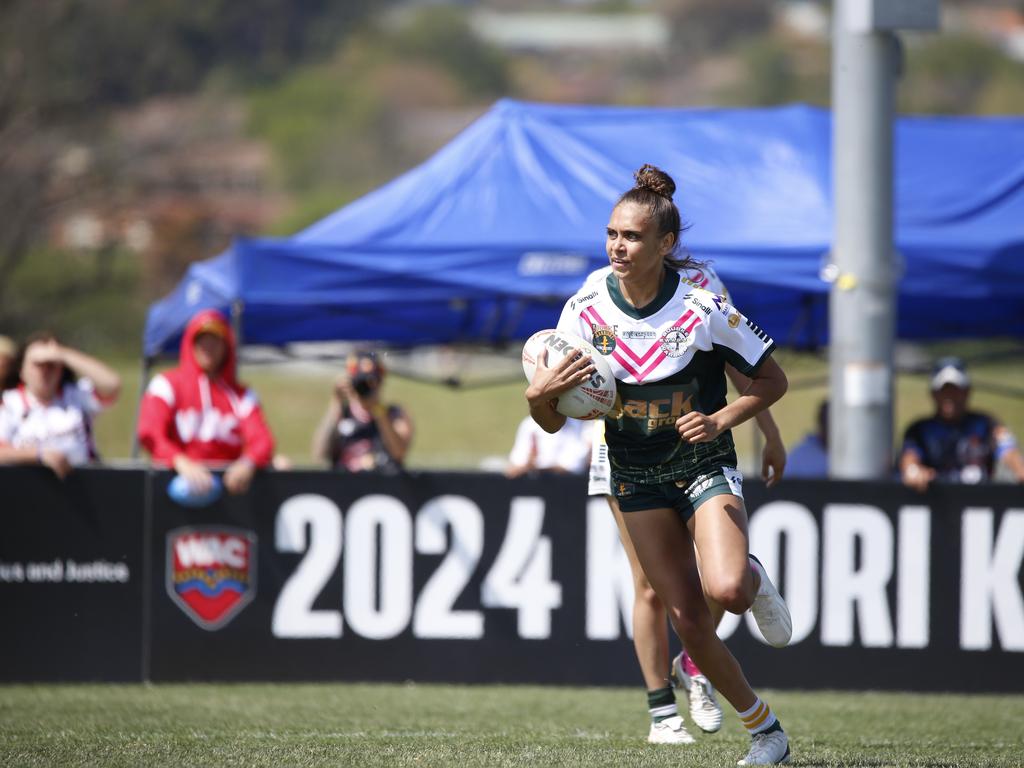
{"points": [[674, 342], [211, 572], [604, 338]]}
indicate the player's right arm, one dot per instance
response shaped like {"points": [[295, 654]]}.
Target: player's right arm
{"points": [[550, 382]]}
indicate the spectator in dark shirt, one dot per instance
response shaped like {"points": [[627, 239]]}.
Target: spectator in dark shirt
{"points": [[360, 432], [955, 444]]}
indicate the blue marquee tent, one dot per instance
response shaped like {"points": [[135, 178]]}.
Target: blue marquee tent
{"points": [[484, 241]]}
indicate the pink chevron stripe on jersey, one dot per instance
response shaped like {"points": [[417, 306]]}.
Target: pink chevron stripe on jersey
{"points": [[640, 375], [657, 360]]}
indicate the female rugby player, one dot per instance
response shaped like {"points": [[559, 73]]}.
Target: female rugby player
{"points": [[673, 462]]}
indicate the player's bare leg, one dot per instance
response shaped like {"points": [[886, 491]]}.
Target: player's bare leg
{"points": [[664, 549], [650, 641], [732, 579]]}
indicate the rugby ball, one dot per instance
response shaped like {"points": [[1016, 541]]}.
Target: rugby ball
{"points": [[181, 492], [590, 400]]}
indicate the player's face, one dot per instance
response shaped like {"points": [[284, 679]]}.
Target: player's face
{"points": [[635, 250]]}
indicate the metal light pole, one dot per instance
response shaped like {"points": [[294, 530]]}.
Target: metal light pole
{"points": [[862, 307]]}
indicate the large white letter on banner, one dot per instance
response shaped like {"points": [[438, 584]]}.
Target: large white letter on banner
{"points": [[848, 590], [609, 581], [989, 581]]}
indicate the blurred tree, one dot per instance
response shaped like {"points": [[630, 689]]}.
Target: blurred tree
{"points": [[86, 53], [443, 36], [65, 64], [341, 127], [24, 163], [780, 71], [959, 74], [700, 27]]}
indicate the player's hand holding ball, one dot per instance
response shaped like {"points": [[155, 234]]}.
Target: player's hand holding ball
{"points": [[568, 371]]}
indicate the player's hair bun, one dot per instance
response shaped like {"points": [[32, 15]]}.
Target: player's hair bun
{"points": [[654, 179]]}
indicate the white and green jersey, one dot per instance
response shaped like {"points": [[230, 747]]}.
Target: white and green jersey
{"points": [[668, 358]]}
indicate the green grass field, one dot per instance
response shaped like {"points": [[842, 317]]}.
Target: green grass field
{"points": [[470, 726], [458, 428]]}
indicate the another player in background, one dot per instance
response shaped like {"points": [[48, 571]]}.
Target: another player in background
{"points": [[673, 463], [650, 630]]}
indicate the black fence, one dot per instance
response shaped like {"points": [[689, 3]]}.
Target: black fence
{"points": [[476, 578]]}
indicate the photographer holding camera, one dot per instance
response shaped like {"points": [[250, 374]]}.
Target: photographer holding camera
{"points": [[360, 433]]}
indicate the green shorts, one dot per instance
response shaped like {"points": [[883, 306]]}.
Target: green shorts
{"points": [[684, 496]]}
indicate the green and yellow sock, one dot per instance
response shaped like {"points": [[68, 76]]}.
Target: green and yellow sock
{"points": [[661, 704]]}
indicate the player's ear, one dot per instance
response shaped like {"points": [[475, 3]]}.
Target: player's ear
{"points": [[668, 242]]}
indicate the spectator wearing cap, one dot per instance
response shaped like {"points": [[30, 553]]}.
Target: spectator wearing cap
{"points": [[359, 431], [47, 417], [198, 416], [955, 444]]}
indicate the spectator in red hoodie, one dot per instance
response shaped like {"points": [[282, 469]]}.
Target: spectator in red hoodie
{"points": [[198, 414]]}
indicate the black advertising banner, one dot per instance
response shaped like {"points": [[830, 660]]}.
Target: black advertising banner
{"points": [[439, 577], [71, 575], [890, 589], [477, 578]]}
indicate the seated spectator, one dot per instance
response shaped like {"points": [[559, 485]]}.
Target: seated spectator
{"points": [[47, 418], [564, 452], [360, 432], [809, 457], [8, 363], [955, 444], [197, 415]]}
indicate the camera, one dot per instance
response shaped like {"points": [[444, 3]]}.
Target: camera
{"points": [[364, 383]]}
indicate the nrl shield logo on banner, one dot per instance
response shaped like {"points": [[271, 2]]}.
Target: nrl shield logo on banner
{"points": [[211, 572]]}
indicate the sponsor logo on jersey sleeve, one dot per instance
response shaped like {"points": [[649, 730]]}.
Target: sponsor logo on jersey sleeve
{"points": [[695, 300], [580, 300]]}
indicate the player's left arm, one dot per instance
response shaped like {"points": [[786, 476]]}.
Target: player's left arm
{"points": [[767, 384], [773, 457], [745, 346]]}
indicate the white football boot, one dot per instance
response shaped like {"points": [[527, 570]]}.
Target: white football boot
{"points": [[705, 710], [671, 730], [767, 749], [770, 610]]}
